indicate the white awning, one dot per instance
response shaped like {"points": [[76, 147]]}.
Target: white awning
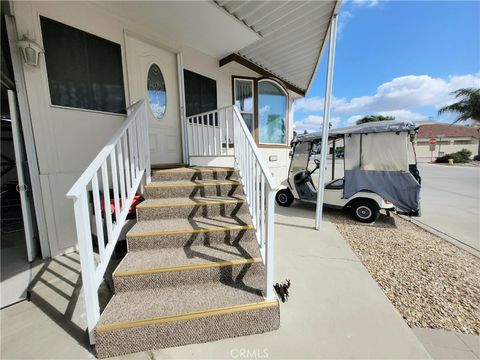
{"points": [[293, 35]]}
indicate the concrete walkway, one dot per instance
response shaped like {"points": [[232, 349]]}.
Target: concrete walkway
{"points": [[443, 344], [336, 310]]}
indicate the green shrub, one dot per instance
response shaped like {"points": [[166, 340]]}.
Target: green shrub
{"points": [[459, 157]]}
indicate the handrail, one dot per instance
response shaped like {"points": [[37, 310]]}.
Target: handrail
{"points": [[260, 158], [211, 111], [104, 153], [102, 197], [214, 136]]}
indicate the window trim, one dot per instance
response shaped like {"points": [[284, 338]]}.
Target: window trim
{"points": [[254, 92], [43, 67], [286, 113], [146, 93], [202, 75], [256, 80]]}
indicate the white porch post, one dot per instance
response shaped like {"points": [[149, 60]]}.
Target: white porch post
{"points": [[326, 121], [183, 117]]}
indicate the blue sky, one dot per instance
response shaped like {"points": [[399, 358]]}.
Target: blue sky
{"points": [[398, 58]]}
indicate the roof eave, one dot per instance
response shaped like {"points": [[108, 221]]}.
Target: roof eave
{"points": [[260, 70], [335, 11]]}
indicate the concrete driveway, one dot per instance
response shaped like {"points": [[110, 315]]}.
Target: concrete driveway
{"points": [[450, 201]]}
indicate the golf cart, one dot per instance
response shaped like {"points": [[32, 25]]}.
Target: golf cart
{"points": [[380, 170]]}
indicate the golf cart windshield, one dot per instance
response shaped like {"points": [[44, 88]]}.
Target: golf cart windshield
{"points": [[301, 157]]}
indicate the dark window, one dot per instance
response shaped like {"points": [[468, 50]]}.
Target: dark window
{"points": [[84, 70], [200, 93]]}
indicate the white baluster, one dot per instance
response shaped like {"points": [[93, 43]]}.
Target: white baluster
{"points": [[106, 201], [227, 134], [116, 201], [262, 210], [131, 158], [87, 262], [128, 181], [269, 254], [121, 171], [97, 207]]}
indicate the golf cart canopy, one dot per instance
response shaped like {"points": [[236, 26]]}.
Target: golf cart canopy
{"points": [[378, 157], [366, 128]]}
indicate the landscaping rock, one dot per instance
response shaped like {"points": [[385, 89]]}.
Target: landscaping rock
{"points": [[432, 283]]}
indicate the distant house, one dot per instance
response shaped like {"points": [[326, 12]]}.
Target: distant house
{"points": [[449, 139]]}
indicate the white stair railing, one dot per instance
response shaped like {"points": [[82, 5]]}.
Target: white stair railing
{"points": [[214, 133], [116, 171], [210, 133]]}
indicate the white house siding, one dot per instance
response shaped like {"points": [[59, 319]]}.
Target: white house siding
{"points": [[205, 65], [68, 139]]}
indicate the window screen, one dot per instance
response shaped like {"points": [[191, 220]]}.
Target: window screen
{"points": [[200, 93], [84, 70]]}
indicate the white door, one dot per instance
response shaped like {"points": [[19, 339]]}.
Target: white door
{"points": [[22, 187], [152, 75]]}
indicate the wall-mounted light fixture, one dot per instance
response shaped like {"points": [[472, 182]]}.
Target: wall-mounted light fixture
{"points": [[31, 51]]}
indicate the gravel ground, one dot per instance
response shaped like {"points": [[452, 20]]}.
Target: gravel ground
{"points": [[432, 283]]}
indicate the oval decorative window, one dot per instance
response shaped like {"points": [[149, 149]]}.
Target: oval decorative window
{"points": [[157, 95]]}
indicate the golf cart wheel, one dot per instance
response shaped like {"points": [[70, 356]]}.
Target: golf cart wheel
{"points": [[284, 197], [365, 211]]}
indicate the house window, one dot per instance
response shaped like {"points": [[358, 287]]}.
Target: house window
{"points": [[200, 93], [462, 142], [272, 113], [84, 70], [157, 94], [243, 94]]}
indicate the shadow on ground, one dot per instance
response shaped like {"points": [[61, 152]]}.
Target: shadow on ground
{"points": [[56, 289], [307, 211]]}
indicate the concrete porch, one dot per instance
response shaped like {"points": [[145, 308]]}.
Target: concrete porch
{"points": [[336, 310]]}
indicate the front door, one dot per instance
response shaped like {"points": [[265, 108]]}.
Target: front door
{"points": [[152, 75]]}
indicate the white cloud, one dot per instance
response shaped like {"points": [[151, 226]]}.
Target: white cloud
{"points": [[313, 123], [352, 120], [316, 103], [367, 3], [407, 92], [264, 109], [397, 114], [405, 115], [343, 19]]}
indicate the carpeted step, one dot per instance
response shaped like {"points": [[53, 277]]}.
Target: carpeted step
{"points": [[159, 318], [195, 173], [185, 188], [177, 233], [201, 206], [217, 262]]}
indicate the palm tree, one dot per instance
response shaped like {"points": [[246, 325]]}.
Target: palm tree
{"points": [[468, 108]]}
